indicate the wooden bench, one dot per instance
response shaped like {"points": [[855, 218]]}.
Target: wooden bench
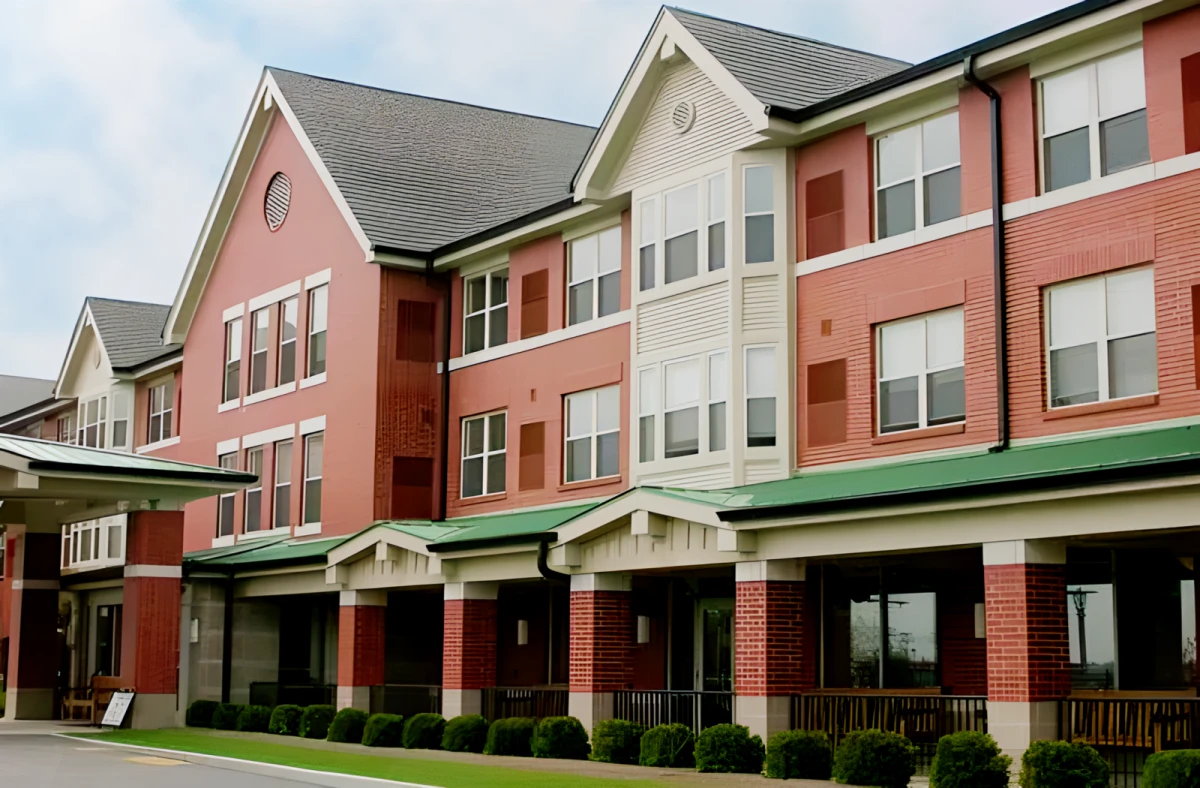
{"points": [[103, 688]]}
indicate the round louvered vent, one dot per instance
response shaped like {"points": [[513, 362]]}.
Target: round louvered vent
{"points": [[279, 196], [683, 116]]}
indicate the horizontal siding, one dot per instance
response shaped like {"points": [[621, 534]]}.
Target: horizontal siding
{"points": [[762, 304], [689, 317], [685, 543], [708, 478], [764, 471]]}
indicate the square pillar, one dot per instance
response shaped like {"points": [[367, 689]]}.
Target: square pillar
{"points": [[362, 635], [1028, 646], [150, 619], [773, 659], [602, 644], [33, 646], [468, 646]]}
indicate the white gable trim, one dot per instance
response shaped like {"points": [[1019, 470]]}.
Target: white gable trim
{"points": [[638, 500], [370, 539], [85, 319]]}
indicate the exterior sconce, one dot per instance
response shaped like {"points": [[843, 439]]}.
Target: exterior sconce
{"points": [[522, 632], [643, 629]]}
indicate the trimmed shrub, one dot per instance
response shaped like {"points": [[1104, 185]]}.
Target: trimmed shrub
{"points": [[799, 755], [254, 719], [669, 745], [347, 726], [285, 720], [874, 757], [465, 733], [1172, 769], [1060, 764], [617, 741], [424, 731], [969, 759], [200, 713], [560, 737], [226, 716], [384, 730], [314, 722], [729, 748], [513, 736]]}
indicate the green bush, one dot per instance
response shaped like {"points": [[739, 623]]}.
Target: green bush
{"points": [[512, 736], [285, 720], [254, 719], [424, 731], [799, 755], [314, 722], [347, 726], [616, 741], [729, 748], [669, 745], [560, 737], [226, 716], [1060, 764], [969, 759], [384, 730], [466, 733], [873, 757], [1172, 769], [200, 713]]}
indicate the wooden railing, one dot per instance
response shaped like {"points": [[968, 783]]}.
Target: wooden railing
{"points": [[697, 710], [503, 702], [406, 699], [1128, 730]]}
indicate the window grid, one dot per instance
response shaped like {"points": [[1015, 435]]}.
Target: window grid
{"points": [[253, 513], [593, 421], [594, 276], [921, 174], [318, 322], [162, 403], [484, 443], [923, 371], [226, 500], [281, 501], [314, 461], [288, 312], [485, 311], [233, 360]]}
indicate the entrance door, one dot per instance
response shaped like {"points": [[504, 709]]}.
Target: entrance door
{"points": [[108, 640], [714, 645]]}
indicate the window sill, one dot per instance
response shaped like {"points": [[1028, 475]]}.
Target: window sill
{"points": [[928, 432], [541, 340], [265, 394], [474, 499], [261, 533], [586, 483], [315, 380], [162, 444], [310, 529], [1140, 401], [225, 541], [233, 404]]}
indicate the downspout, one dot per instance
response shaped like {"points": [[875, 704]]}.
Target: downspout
{"points": [[447, 309], [998, 266], [543, 566]]}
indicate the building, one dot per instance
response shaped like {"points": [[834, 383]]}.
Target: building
{"points": [[810, 381]]}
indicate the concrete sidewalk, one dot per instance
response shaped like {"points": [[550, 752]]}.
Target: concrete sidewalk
{"points": [[43, 727]]}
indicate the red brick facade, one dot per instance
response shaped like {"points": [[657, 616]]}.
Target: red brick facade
{"points": [[602, 641], [469, 644], [773, 655], [1027, 639], [963, 656], [150, 621], [361, 638]]}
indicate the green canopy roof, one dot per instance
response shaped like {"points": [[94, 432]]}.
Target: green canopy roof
{"points": [[280, 551], [50, 456], [483, 529]]}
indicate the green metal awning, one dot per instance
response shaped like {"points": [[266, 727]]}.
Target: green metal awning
{"points": [[49, 457], [281, 551], [489, 530]]}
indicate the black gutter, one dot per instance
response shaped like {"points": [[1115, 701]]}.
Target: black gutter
{"points": [[501, 229], [543, 565], [203, 475], [999, 284], [495, 541]]}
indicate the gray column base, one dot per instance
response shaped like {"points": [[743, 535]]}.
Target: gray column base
{"points": [[763, 715], [590, 708], [1017, 724], [354, 697], [152, 711], [29, 704], [456, 702]]}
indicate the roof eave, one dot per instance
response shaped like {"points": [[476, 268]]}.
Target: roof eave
{"points": [[495, 541]]}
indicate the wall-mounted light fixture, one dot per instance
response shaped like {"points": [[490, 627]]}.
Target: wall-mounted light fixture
{"points": [[522, 632]]}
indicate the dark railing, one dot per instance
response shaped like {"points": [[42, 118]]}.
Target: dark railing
{"points": [[503, 702], [1128, 730], [272, 693], [922, 718], [406, 699], [697, 710]]}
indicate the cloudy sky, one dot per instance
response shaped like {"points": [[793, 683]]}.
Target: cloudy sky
{"points": [[117, 116]]}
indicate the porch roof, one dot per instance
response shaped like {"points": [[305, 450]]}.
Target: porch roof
{"points": [[488, 529], [280, 551]]}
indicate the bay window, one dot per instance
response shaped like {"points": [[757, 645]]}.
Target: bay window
{"points": [[760, 396], [758, 208], [318, 323], [233, 360], [918, 179], [920, 371], [593, 420], [93, 422], [226, 500], [261, 326], [162, 403], [485, 312], [314, 461], [287, 340], [688, 237], [254, 465], [594, 276], [681, 408], [484, 440]]}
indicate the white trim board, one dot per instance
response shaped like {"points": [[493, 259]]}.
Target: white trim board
{"points": [[263, 437], [274, 296]]}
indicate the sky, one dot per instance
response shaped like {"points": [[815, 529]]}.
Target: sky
{"points": [[117, 116]]}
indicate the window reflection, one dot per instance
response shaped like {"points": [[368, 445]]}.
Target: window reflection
{"points": [[912, 640]]}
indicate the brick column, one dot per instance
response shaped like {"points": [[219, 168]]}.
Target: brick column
{"points": [[362, 636], [468, 646], [1028, 647], [150, 616], [33, 648], [602, 643], [773, 658]]}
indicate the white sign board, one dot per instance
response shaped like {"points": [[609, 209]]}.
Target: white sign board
{"points": [[114, 715]]}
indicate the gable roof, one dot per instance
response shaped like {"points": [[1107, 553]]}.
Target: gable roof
{"points": [[131, 331], [18, 393]]}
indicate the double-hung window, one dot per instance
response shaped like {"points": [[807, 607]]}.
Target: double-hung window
{"points": [[162, 403], [282, 499], [93, 422], [758, 209], [261, 322], [64, 430], [233, 360], [225, 500], [1102, 341], [254, 465], [485, 311], [594, 286], [681, 247], [647, 409], [120, 419], [593, 434], [647, 243], [681, 232], [287, 340], [314, 460], [1094, 120], [920, 371], [681, 408], [715, 228], [760, 396], [918, 179], [484, 439], [318, 322], [718, 393]]}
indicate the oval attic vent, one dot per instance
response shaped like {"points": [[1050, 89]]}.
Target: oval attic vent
{"points": [[279, 196], [683, 116]]}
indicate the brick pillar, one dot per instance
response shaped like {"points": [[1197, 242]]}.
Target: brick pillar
{"points": [[362, 636], [33, 648], [1028, 647], [150, 616], [468, 646], [602, 643]]}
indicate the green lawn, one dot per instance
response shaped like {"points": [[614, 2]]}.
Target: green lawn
{"points": [[427, 772]]}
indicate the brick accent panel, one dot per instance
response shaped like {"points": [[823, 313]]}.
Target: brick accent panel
{"points": [[1028, 651], [154, 538], [150, 633], [362, 634], [469, 644], [964, 656], [772, 651], [602, 641]]}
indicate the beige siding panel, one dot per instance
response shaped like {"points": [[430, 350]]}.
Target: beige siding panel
{"points": [[764, 471], [709, 478], [411, 570], [762, 304], [689, 317], [686, 544]]}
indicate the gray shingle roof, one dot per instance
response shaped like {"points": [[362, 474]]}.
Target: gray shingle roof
{"points": [[780, 69], [419, 172], [18, 393], [131, 331]]}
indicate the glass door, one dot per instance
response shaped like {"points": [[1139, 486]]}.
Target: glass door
{"points": [[108, 640], [714, 645]]}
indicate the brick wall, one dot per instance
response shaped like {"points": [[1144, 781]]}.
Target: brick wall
{"points": [[602, 641], [773, 656], [963, 656], [362, 635], [469, 644], [1028, 650]]}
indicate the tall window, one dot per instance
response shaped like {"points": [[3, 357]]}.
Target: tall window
{"points": [[718, 388], [593, 436], [681, 247], [233, 360], [760, 396], [261, 321], [1094, 120], [120, 419], [318, 322], [1102, 338], [93, 422], [647, 239], [716, 222], [594, 287], [282, 500], [483, 447], [64, 431], [486, 311], [254, 465], [162, 402], [647, 408], [920, 371], [287, 340], [758, 203], [681, 408], [314, 458], [918, 179], [225, 501]]}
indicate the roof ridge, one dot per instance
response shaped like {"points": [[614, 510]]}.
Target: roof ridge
{"points": [[125, 301]]}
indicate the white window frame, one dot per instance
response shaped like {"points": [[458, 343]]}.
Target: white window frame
{"points": [[749, 214], [166, 408], [647, 238], [697, 224], [717, 397], [313, 294], [711, 220], [64, 431], [774, 348], [647, 404], [594, 433], [233, 357], [487, 454], [310, 477], [652, 405], [922, 375], [574, 281], [251, 454], [120, 411], [920, 173], [97, 534], [101, 423], [294, 303], [700, 398], [650, 225], [488, 307], [283, 487], [229, 462], [260, 324]]}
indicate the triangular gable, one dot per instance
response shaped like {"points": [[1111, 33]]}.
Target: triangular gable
{"points": [[382, 557], [80, 356]]}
